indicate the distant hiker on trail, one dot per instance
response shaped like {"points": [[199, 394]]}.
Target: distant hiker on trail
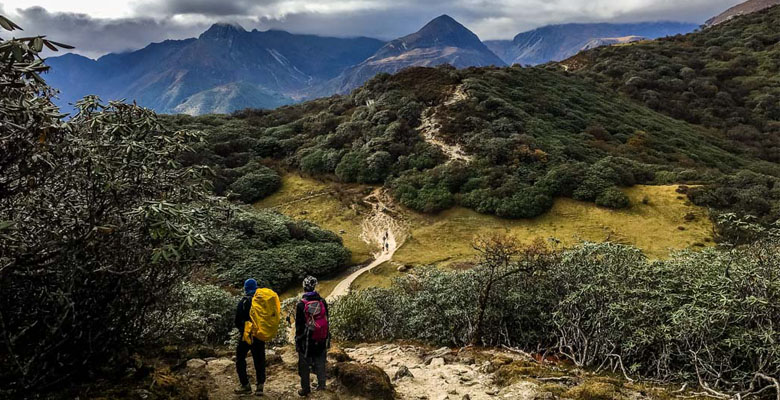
{"points": [[257, 320], [312, 337]]}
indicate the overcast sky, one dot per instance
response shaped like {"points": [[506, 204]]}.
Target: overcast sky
{"points": [[97, 27]]}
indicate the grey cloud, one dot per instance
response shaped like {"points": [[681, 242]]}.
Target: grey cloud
{"points": [[157, 20], [201, 7], [94, 37]]}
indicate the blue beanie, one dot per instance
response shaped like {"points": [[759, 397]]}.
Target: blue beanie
{"points": [[250, 286]]}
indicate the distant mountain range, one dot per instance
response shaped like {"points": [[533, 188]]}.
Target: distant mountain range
{"points": [[225, 61], [559, 42], [747, 7], [228, 68]]}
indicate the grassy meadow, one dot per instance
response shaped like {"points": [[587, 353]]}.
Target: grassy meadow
{"points": [[656, 223]]}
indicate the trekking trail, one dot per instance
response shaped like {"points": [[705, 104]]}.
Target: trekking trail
{"points": [[430, 126], [380, 229]]}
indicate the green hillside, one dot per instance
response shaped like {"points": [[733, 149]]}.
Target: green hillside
{"points": [[527, 135], [726, 77]]}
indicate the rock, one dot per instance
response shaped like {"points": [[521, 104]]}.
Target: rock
{"points": [[544, 396], [272, 358], [487, 367], [440, 353], [491, 392], [339, 355], [403, 371], [466, 360], [402, 268], [437, 362], [364, 380], [465, 397], [196, 363], [209, 359]]}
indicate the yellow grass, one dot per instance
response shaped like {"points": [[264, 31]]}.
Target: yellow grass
{"points": [[652, 227], [325, 210], [446, 238]]}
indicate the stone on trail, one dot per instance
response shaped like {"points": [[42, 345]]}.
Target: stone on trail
{"points": [[402, 372], [366, 380], [437, 362], [196, 363], [440, 353]]}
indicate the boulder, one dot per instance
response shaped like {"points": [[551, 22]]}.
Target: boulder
{"points": [[365, 380]]}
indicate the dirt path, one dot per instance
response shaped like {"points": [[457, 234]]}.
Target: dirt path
{"points": [[380, 229], [430, 126]]}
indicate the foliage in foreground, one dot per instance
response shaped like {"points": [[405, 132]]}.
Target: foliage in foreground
{"points": [[100, 225], [709, 316], [94, 244]]}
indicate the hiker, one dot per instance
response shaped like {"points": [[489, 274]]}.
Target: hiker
{"points": [[312, 337], [257, 320]]}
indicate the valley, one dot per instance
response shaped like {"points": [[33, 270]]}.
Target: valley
{"points": [[660, 222]]}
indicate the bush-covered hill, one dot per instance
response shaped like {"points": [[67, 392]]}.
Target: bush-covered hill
{"points": [[726, 77], [530, 135]]}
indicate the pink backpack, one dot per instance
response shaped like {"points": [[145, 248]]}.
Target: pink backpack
{"points": [[316, 320]]}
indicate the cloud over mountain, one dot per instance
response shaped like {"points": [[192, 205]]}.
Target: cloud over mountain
{"points": [[135, 25]]}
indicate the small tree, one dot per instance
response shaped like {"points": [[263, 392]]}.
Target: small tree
{"points": [[502, 257]]}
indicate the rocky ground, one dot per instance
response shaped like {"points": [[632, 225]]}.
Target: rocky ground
{"points": [[405, 371]]}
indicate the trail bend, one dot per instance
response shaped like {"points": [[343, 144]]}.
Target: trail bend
{"points": [[380, 229]]}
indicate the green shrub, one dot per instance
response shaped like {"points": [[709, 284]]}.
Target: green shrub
{"points": [[665, 319], [204, 315], [277, 251], [256, 185], [612, 198]]}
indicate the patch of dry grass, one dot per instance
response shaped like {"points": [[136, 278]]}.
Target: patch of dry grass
{"points": [[308, 199], [659, 221]]}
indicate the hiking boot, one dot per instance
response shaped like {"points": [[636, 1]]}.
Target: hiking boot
{"points": [[243, 389], [303, 393], [259, 391]]}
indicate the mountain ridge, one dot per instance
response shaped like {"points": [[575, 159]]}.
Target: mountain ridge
{"points": [[163, 75], [441, 41], [558, 42], [747, 7]]}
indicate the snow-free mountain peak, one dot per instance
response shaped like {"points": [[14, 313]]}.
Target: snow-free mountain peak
{"points": [[222, 30]]}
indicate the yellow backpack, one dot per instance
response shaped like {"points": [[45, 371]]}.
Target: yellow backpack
{"points": [[264, 316]]}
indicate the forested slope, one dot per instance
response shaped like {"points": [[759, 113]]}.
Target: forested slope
{"points": [[528, 135]]}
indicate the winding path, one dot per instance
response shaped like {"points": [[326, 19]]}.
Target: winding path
{"points": [[381, 229]]}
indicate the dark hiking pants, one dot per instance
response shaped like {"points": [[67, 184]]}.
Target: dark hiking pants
{"points": [[314, 363], [258, 355]]}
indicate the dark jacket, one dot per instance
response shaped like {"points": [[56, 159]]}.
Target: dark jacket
{"points": [[303, 341], [242, 313]]}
